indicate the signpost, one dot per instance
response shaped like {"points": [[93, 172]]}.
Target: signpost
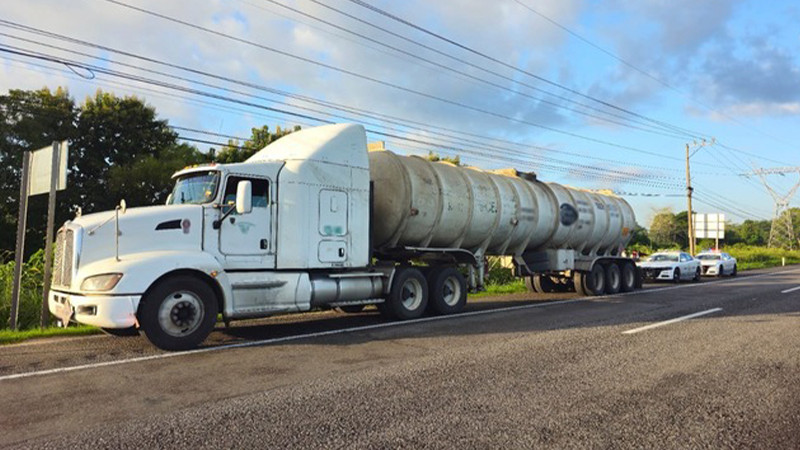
{"points": [[710, 226], [43, 171]]}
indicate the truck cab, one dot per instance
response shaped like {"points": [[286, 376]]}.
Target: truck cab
{"points": [[245, 240]]}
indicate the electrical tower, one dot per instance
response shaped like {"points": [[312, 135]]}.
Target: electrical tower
{"points": [[782, 232]]}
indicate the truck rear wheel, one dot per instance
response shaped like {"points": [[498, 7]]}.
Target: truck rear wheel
{"points": [[628, 274], [447, 290], [613, 278], [544, 284], [596, 280], [408, 296], [178, 313]]}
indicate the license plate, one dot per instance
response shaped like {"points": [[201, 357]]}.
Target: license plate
{"points": [[64, 312]]}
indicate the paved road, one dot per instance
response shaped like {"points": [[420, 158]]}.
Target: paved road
{"points": [[563, 374]]}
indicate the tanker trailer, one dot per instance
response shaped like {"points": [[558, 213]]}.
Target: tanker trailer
{"points": [[560, 238], [314, 220]]}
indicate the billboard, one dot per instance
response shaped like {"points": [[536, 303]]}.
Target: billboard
{"points": [[709, 226]]}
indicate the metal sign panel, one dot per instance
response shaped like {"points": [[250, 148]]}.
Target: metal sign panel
{"points": [[42, 165], [709, 226]]}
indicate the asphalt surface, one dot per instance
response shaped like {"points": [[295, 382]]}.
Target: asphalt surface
{"points": [[523, 371]]}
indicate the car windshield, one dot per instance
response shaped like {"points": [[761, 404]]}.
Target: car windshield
{"points": [[195, 188], [663, 257], [708, 257]]}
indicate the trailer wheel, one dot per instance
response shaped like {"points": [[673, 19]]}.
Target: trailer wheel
{"points": [[178, 313], [596, 280], [544, 284], [613, 278], [628, 274], [408, 296], [529, 283], [581, 282], [447, 290]]}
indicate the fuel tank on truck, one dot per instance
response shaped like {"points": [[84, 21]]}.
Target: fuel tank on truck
{"points": [[419, 203]]}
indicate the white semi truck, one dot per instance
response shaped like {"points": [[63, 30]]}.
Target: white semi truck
{"points": [[314, 220]]}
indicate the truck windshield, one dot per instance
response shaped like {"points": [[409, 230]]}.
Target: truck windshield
{"points": [[195, 188]]}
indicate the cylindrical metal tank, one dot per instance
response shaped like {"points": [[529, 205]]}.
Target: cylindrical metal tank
{"points": [[418, 203]]}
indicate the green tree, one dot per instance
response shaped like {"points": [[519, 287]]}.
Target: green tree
{"points": [[664, 229], [118, 148], [433, 157], [29, 120], [261, 137]]}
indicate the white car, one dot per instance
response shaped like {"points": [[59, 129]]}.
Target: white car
{"points": [[717, 264], [670, 266]]}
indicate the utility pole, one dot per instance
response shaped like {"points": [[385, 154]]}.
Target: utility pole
{"points": [[690, 189], [689, 215]]}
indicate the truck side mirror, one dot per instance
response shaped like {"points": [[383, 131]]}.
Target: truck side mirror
{"points": [[244, 197]]}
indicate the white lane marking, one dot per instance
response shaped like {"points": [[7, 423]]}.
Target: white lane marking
{"points": [[373, 327], [671, 321], [790, 290]]}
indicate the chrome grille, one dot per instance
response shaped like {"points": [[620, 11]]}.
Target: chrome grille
{"points": [[63, 257]]}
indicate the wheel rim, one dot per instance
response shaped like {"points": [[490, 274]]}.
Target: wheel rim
{"points": [[615, 278], [181, 313], [411, 294], [451, 291]]}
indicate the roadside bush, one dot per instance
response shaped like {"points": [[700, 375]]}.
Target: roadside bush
{"points": [[497, 274], [751, 257], [30, 303]]}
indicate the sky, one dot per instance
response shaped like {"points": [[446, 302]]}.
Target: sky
{"points": [[599, 95]]}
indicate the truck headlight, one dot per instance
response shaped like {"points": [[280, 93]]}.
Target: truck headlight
{"points": [[104, 282]]}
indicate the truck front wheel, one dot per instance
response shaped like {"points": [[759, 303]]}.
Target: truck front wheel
{"points": [[178, 313], [408, 296]]}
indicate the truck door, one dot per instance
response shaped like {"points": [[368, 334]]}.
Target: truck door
{"points": [[248, 237]]}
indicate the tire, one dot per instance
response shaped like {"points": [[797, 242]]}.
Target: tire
{"points": [[676, 276], [697, 274], [581, 282], [613, 278], [121, 332], [720, 271], [408, 297], [734, 271], [351, 309], [628, 276], [529, 283], [178, 313], [597, 280], [447, 291], [544, 284]]}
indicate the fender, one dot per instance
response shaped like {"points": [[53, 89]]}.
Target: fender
{"points": [[141, 270]]}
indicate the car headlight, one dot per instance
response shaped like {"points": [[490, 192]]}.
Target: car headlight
{"points": [[104, 282]]}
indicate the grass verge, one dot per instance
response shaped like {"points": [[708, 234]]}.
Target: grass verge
{"points": [[11, 337]]}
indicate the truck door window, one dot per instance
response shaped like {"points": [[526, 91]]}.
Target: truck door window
{"points": [[260, 191]]}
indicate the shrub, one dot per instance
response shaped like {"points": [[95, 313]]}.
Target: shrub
{"points": [[30, 301]]}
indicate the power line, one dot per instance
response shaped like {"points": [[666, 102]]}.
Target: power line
{"points": [[510, 66], [392, 85], [360, 112], [652, 129], [590, 172]]}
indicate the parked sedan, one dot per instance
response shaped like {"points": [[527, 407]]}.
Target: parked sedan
{"points": [[717, 264], [670, 266]]}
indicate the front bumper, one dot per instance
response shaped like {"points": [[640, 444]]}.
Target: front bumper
{"points": [[105, 311], [710, 270], [658, 274]]}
